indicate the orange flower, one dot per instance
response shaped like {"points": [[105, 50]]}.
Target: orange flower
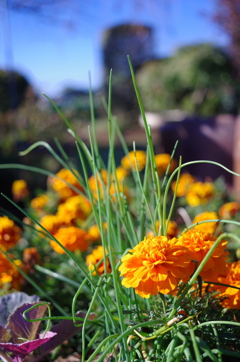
{"points": [[121, 173], [200, 193], [97, 182], [162, 161], [62, 188], [9, 273], [231, 278], [75, 208], [39, 202], [208, 227], [156, 266], [19, 189], [9, 233], [73, 238], [134, 160], [93, 259], [228, 210], [31, 257], [94, 232], [199, 243], [51, 223], [185, 181]]}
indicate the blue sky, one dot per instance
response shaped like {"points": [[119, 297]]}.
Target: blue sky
{"points": [[53, 57]]}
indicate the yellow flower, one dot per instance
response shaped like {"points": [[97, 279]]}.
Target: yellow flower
{"points": [[185, 181], [228, 210], [134, 160], [73, 238], [156, 266], [200, 193], [9, 273], [51, 223], [19, 189], [162, 161], [93, 259], [121, 173], [94, 232], [97, 182], [62, 188], [199, 243], [231, 278], [172, 230], [75, 208], [208, 227], [9, 233], [39, 202]]}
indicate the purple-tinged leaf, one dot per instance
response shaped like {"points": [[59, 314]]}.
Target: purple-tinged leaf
{"points": [[23, 349], [10, 302], [22, 329], [64, 330]]}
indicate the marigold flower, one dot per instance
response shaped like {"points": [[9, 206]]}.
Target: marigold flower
{"points": [[62, 188], [156, 266], [172, 230], [199, 243], [9, 233], [135, 160], [94, 233], [9, 274], [75, 208], [39, 202], [185, 181], [51, 223], [72, 237], [200, 193], [96, 183], [31, 257], [207, 227], [121, 173], [94, 258], [162, 161], [231, 278], [19, 190], [229, 209]]}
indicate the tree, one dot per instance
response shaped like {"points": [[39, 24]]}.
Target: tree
{"points": [[198, 79], [13, 87]]}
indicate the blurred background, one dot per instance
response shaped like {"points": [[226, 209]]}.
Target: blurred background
{"points": [[186, 57]]}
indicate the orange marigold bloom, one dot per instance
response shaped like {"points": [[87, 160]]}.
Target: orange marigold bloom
{"points": [[75, 208], [228, 210], [231, 278], [9, 233], [73, 238], [62, 188], [207, 227], [9, 273], [97, 182], [200, 193], [199, 243], [31, 257], [172, 230], [156, 266], [162, 161], [51, 223], [185, 181], [94, 233], [134, 160], [19, 189], [94, 258], [39, 202], [121, 173]]}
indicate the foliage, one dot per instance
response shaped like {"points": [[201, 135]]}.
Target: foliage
{"points": [[122, 241], [198, 79]]}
